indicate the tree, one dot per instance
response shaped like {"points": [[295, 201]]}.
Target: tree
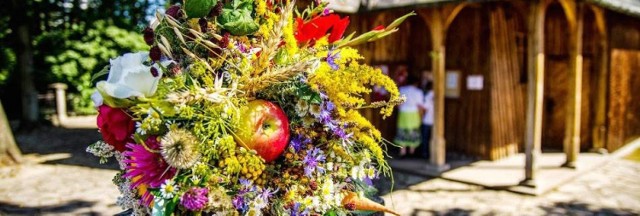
{"points": [[9, 151], [34, 33], [23, 48]]}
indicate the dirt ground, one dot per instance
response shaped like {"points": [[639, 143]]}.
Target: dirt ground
{"points": [[56, 142]]}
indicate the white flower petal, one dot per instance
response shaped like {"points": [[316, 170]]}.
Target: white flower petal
{"points": [[129, 77], [117, 91], [97, 99]]}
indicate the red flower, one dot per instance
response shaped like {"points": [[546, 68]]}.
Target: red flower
{"points": [[319, 26], [338, 29], [116, 126], [378, 28]]}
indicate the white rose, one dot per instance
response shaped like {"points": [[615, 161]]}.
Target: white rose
{"points": [[129, 77]]}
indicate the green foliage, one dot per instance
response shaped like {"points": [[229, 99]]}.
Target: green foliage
{"points": [[69, 42], [72, 56], [236, 17], [7, 56], [199, 8], [7, 63]]}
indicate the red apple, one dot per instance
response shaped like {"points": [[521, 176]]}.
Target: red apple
{"points": [[263, 127]]}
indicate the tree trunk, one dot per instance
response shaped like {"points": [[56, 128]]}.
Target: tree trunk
{"points": [[24, 51], [9, 151]]}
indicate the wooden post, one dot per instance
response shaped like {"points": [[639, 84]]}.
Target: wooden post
{"points": [[599, 127], [574, 12], [535, 87], [61, 101], [437, 144], [439, 20]]}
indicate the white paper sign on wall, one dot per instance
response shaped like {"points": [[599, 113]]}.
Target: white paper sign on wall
{"points": [[475, 82], [452, 84]]}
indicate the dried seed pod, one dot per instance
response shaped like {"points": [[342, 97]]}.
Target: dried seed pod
{"points": [[179, 35], [166, 43], [210, 44], [165, 50]]}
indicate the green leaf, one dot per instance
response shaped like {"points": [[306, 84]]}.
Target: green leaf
{"points": [[242, 4], [399, 21], [330, 213], [199, 8], [171, 205], [100, 73], [238, 21]]}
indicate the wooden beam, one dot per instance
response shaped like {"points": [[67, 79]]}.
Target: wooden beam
{"points": [[573, 114], [570, 12], [451, 12], [599, 131], [535, 87]]}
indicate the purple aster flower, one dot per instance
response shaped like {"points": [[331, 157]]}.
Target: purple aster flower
{"points": [[238, 203], [324, 116], [329, 105], [339, 132], [247, 186], [368, 181], [331, 60], [195, 199], [241, 47], [296, 211], [311, 161], [245, 182], [298, 141], [324, 96]]}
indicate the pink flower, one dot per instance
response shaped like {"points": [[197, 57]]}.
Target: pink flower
{"points": [[195, 198], [116, 126], [149, 167]]}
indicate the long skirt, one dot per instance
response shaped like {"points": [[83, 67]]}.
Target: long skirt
{"points": [[408, 134]]}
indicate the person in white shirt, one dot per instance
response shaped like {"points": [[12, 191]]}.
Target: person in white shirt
{"points": [[409, 117], [427, 122]]}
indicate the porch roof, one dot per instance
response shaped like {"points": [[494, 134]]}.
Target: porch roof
{"points": [[630, 7]]}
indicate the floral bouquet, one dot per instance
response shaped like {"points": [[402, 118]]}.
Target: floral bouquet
{"points": [[245, 107]]}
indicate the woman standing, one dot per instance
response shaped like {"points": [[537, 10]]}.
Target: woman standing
{"points": [[410, 116], [427, 118]]}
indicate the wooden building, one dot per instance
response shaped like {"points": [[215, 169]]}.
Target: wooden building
{"points": [[555, 74]]}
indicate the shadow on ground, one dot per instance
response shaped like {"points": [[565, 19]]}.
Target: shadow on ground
{"points": [[46, 140], [66, 208], [580, 208], [559, 208], [448, 212]]}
